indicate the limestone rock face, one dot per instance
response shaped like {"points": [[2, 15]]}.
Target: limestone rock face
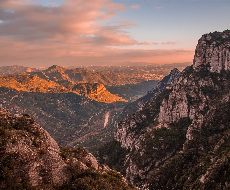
{"points": [[213, 50], [179, 105], [34, 151]]}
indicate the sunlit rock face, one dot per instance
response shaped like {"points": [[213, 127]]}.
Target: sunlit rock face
{"points": [[97, 92], [213, 50]]}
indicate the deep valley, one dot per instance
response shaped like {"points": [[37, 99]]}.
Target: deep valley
{"points": [[168, 130]]}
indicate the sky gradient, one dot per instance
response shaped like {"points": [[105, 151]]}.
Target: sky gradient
{"points": [[37, 33]]}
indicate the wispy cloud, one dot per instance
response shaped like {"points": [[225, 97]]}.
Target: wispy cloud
{"points": [[169, 43], [144, 43], [136, 6]]}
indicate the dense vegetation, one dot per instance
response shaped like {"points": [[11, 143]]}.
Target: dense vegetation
{"points": [[113, 155], [90, 179]]}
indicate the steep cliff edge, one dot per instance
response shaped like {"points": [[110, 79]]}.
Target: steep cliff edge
{"points": [[180, 138], [213, 51], [31, 159]]}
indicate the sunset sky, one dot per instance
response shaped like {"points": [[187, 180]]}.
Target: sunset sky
{"points": [[98, 32]]}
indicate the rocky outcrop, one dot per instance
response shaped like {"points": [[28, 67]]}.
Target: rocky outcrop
{"points": [[180, 102], [213, 50], [35, 154], [30, 158]]}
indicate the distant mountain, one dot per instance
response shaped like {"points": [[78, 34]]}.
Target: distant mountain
{"points": [[33, 83], [82, 75], [75, 114], [96, 92], [15, 69], [31, 159], [179, 139]]}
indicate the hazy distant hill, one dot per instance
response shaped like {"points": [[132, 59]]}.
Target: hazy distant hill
{"points": [[132, 92], [82, 75], [15, 69]]}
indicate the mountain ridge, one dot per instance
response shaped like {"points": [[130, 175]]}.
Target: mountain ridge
{"points": [[168, 139], [33, 83]]}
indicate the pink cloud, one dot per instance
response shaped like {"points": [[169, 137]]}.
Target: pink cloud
{"points": [[70, 34], [71, 22], [169, 43], [145, 43], [155, 43]]}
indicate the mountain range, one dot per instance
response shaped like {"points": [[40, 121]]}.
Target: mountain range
{"points": [[69, 109], [174, 137]]}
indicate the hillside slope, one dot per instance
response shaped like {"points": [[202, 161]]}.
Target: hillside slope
{"points": [[66, 116], [31, 159]]}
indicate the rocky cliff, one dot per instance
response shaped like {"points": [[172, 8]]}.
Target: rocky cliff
{"points": [[31, 159], [180, 138], [213, 51], [166, 83]]}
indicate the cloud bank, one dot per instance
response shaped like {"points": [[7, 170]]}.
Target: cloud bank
{"points": [[70, 33]]}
